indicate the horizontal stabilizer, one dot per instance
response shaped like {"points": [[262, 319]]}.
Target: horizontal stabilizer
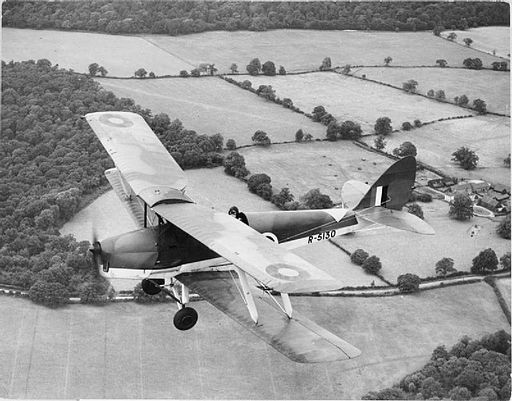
{"points": [[399, 219], [298, 338], [353, 191]]}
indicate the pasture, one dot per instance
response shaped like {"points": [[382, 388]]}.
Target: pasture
{"points": [[486, 38], [120, 55], [488, 136], [211, 105], [420, 253], [491, 86], [299, 50], [353, 99], [132, 351]]}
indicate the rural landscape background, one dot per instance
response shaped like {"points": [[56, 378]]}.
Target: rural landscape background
{"points": [[52, 186]]}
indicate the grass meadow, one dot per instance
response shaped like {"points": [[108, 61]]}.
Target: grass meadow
{"points": [[488, 136], [133, 351], [419, 253], [211, 105], [353, 99], [120, 55], [491, 86], [305, 49], [486, 38]]}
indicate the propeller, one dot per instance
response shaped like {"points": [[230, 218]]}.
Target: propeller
{"points": [[96, 252]]}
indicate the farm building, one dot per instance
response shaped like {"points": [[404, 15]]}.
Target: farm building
{"points": [[502, 189]]}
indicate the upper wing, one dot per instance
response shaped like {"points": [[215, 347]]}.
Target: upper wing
{"points": [[261, 258], [141, 158]]}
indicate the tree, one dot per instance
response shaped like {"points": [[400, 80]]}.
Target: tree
{"points": [[506, 161], [256, 180], [466, 157], [184, 74], [254, 67], [196, 72], [462, 100], [485, 261], [246, 84], [444, 267], [94, 292], [261, 138], [269, 68], [350, 130], [266, 92], [387, 60], [431, 93], [49, 294], [408, 282], [299, 135], [359, 256], [234, 68], [326, 64], [141, 73], [234, 164], [480, 106], [440, 94], [503, 229], [282, 198], [460, 393], [467, 41], [416, 210], [318, 113], [441, 62], [500, 66], [405, 149], [461, 206], [282, 70], [379, 142], [505, 261], [473, 63], [333, 130], [452, 36], [287, 102], [372, 265], [406, 126], [93, 69], [383, 126], [437, 30], [314, 199], [230, 144], [410, 86], [152, 74], [430, 388], [346, 69]]}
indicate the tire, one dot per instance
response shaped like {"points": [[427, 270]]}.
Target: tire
{"points": [[150, 287], [185, 318]]}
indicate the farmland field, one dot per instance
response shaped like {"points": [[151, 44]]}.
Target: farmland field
{"points": [[490, 86], [488, 136], [120, 55], [419, 253], [211, 105], [486, 38], [132, 351], [305, 49], [504, 287], [353, 99]]}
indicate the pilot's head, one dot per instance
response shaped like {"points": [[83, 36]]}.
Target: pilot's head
{"points": [[233, 211]]}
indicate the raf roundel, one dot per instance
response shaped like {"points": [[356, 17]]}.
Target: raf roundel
{"points": [[115, 120], [287, 272]]}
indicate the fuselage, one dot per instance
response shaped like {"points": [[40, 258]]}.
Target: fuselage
{"points": [[165, 246]]}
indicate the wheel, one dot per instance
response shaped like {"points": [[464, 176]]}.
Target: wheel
{"points": [[150, 287], [185, 318]]}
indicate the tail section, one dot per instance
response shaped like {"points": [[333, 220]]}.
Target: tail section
{"points": [[393, 188], [382, 202]]}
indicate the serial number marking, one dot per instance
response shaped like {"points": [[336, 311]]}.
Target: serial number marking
{"points": [[321, 236]]}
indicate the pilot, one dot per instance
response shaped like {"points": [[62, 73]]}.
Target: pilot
{"points": [[233, 211]]}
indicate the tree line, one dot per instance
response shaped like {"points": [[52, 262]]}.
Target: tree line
{"points": [[185, 17], [50, 161]]}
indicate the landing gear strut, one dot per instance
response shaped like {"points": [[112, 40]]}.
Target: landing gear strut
{"points": [[186, 317]]}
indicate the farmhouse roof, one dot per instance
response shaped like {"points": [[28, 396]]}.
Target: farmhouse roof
{"points": [[502, 189], [488, 202]]}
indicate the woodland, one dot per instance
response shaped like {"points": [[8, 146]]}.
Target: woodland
{"points": [[185, 17], [51, 163]]}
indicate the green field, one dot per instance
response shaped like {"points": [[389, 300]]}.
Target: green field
{"points": [[419, 253], [211, 105], [132, 351], [305, 49], [486, 38], [488, 136], [353, 99], [490, 86], [120, 55]]}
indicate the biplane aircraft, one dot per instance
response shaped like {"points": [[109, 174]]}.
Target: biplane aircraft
{"points": [[245, 270]]}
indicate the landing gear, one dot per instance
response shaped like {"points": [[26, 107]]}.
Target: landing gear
{"points": [[151, 286], [185, 318]]}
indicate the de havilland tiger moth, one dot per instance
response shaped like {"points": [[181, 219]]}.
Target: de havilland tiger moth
{"points": [[245, 269]]}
